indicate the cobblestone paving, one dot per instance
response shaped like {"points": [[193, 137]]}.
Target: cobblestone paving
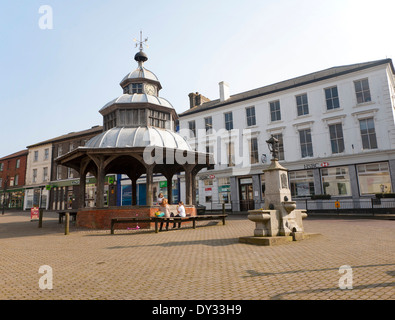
{"points": [[209, 262]]}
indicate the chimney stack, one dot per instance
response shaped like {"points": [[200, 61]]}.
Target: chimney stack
{"points": [[196, 99], [223, 91]]}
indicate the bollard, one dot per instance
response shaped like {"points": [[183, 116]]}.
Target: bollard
{"points": [[40, 218], [223, 208], [67, 224]]}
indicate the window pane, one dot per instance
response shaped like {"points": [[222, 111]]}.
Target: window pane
{"points": [[365, 84], [373, 141], [358, 86], [365, 142], [328, 94]]}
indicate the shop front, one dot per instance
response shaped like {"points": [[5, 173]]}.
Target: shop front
{"points": [[36, 197], [12, 198], [159, 185], [64, 193]]}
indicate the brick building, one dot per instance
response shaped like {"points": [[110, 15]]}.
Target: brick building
{"points": [[12, 179]]}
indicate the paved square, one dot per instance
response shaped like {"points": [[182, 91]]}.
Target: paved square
{"points": [[209, 262]]}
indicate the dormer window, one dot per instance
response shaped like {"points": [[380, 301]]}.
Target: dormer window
{"points": [[137, 88]]}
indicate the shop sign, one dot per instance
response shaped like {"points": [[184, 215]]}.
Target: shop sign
{"points": [[316, 165], [224, 188], [34, 213], [162, 184], [246, 181], [208, 189]]}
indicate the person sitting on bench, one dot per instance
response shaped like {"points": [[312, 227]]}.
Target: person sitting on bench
{"points": [[181, 213], [166, 209]]}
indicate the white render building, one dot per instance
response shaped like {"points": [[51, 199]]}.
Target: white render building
{"points": [[38, 175], [336, 129]]}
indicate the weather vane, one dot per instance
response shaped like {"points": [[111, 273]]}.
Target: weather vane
{"points": [[141, 42]]}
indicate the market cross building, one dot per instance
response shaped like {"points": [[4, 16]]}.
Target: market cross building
{"points": [[335, 129], [139, 139]]}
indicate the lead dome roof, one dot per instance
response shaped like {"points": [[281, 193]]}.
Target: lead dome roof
{"points": [[126, 137]]}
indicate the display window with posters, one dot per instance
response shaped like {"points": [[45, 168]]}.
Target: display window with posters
{"points": [[301, 183], [336, 181], [374, 178]]}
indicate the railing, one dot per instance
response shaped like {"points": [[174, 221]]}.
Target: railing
{"points": [[371, 205], [233, 205], [368, 206]]}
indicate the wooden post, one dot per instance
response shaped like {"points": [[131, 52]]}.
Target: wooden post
{"points": [[112, 226], [148, 193], [169, 180], [40, 218], [67, 224]]}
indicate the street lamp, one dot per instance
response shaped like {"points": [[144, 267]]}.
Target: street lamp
{"points": [[272, 143], [4, 193]]}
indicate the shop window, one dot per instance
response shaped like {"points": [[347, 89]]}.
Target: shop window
{"points": [[224, 190], [302, 183], [336, 181], [374, 178]]}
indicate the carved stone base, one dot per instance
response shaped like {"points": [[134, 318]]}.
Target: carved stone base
{"points": [[278, 240]]}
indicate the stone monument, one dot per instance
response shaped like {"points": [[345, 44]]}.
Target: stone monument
{"points": [[279, 221]]}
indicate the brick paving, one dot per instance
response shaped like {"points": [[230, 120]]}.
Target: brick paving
{"points": [[209, 262]]}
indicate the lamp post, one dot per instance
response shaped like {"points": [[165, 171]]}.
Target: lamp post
{"points": [[272, 143], [4, 193]]}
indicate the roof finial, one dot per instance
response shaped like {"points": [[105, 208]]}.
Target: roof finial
{"points": [[141, 42], [141, 57]]}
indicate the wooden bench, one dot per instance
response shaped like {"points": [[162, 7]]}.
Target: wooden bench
{"points": [[62, 214], [159, 221]]}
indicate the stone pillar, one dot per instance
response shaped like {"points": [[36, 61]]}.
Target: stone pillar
{"points": [[317, 182], [256, 189], [276, 182], [234, 194]]}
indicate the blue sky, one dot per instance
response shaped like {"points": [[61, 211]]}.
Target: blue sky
{"points": [[54, 81]]}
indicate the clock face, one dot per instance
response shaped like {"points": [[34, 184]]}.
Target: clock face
{"points": [[150, 89]]}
